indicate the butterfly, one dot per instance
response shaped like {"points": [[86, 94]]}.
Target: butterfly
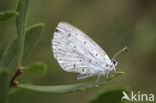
{"points": [[77, 52]]}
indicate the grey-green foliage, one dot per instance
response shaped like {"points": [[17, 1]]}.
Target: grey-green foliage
{"points": [[9, 58], [22, 9], [7, 15], [19, 46], [67, 88], [37, 68], [13, 54], [32, 35], [110, 96], [10, 55]]}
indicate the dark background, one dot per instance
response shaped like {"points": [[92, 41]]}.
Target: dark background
{"points": [[113, 24]]}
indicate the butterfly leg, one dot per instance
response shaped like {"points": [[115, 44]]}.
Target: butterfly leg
{"points": [[107, 75], [98, 78], [114, 70]]}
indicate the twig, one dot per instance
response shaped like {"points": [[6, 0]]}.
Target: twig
{"points": [[18, 72]]}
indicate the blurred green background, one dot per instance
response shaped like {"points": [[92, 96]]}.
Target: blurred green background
{"points": [[113, 24]]}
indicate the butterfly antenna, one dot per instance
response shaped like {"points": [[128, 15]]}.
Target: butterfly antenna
{"points": [[125, 49]]}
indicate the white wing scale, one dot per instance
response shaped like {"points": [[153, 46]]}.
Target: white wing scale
{"points": [[76, 52]]}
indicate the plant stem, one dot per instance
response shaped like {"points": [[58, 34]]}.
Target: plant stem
{"points": [[18, 72]]}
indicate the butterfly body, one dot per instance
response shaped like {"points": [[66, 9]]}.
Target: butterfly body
{"points": [[77, 52]]}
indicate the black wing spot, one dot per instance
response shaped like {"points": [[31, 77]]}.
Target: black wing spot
{"points": [[69, 35], [106, 65], [74, 46], [84, 42], [82, 70], [96, 54], [60, 59], [56, 30], [74, 66], [80, 60], [89, 60], [73, 51]]}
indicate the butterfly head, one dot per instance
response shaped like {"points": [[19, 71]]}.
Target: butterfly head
{"points": [[114, 62]]}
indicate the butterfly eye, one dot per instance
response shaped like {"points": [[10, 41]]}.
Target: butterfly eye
{"points": [[114, 62]]}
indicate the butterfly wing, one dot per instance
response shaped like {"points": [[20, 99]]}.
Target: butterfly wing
{"points": [[75, 51]]}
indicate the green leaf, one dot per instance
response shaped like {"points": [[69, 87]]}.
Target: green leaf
{"points": [[10, 53], [22, 9], [4, 85], [7, 15], [110, 96], [38, 68], [9, 58], [67, 88], [32, 34]]}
